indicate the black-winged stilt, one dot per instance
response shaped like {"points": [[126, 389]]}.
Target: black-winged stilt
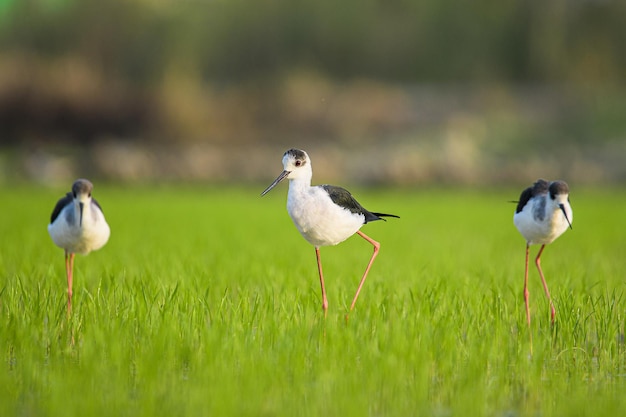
{"points": [[77, 225], [543, 213], [324, 215]]}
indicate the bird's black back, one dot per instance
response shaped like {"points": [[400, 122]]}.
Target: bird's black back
{"points": [[343, 198], [64, 201], [538, 188]]}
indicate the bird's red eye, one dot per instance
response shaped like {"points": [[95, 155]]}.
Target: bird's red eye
{"points": [[298, 163]]}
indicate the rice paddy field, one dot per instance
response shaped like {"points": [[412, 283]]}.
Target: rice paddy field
{"points": [[206, 301]]}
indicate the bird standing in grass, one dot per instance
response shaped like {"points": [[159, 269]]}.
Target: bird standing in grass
{"points": [[324, 215], [543, 213], [77, 225]]}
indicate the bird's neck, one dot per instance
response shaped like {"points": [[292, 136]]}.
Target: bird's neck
{"points": [[87, 212], [299, 185]]}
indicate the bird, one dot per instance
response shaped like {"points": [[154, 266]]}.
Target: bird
{"points": [[543, 214], [77, 225], [325, 215]]}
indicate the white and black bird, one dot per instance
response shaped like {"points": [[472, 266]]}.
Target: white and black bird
{"points": [[543, 214], [77, 225], [324, 215]]}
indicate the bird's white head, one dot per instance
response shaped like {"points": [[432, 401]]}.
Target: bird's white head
{"points": [[559, 196], [296, 166], [297, 163], [81, 190]]}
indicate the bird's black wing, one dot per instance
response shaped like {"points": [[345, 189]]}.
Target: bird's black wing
{"points": [[343, 198], [60, 204], [97, 204], [538, 188]]}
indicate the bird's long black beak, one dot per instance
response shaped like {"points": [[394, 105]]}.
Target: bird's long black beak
{"points": [[278, 179], [562, 207], [81, 205]]}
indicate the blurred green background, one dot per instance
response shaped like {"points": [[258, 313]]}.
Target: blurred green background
{"points": [[378, 92]]}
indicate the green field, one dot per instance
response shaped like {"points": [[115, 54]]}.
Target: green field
{"points": [[206, 301]]}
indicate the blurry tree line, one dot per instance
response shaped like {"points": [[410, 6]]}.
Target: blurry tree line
{"points": [[236, 71], [398, 40]]}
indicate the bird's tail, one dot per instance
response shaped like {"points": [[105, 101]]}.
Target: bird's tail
{"points": [[381, 215]]}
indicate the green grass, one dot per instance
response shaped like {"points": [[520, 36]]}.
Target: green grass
{"points": [[206, 301]]}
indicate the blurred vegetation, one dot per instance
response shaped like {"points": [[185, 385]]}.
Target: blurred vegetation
{"points": [[448, 90]]}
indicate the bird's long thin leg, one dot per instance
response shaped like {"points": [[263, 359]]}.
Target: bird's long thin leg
{"points": [[526, 293], [545, 285], [319, 269], [369, 265], [526, 298], [69, 269]]}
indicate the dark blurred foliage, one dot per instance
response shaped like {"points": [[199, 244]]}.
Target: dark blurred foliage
{"points": [[408, 41], [232, 71]]}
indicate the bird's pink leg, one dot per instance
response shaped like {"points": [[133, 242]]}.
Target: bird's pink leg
{"points": [[369, 265], [545, 285], [526, 298], [526, 293], [319, 269], [69, 268]]}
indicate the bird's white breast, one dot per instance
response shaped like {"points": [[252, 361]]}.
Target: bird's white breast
{"points": [[320, 221], [545, 228], [74, 238]]}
